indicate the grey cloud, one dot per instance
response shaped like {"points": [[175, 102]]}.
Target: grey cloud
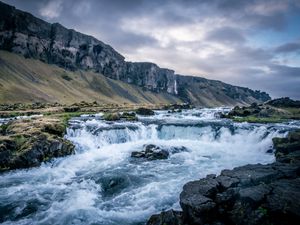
{"points": [[226, 35], [282, 81], [288, 47]]}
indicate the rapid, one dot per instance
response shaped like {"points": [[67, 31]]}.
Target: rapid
{"points": [[102, 184]]}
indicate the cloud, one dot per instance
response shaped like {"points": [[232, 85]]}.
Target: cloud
{"points": [[52, 9], [288, 47], [227, 35]]}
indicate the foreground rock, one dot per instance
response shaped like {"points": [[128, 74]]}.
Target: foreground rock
{"points": [[29, 142], [251, 194]]}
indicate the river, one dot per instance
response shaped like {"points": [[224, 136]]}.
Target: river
{"points": [[103, 184]]}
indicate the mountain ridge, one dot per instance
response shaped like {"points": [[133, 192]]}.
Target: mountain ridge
{"points": [[25, 34]]}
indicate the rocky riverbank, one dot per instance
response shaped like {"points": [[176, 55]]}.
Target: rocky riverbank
{"points": [[27, 143], [251, 194], [30, 141], [276, 110]]}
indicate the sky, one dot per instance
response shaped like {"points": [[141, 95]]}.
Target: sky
{"points": [[251, 43]]}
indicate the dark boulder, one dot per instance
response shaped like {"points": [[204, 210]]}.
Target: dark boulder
{"points": [[179, 149], [114, 184], [39, 150], [29, 143], [129, 116], [145, 112], [169, 217], [72, 109], [151, 152], [112, 116]]}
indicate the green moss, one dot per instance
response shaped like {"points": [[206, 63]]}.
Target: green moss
{"points": [[254, 119], [129, 116], [112, 116], [262, 210], [65, 117], [3, 128], [19, 140], [55, 128]]}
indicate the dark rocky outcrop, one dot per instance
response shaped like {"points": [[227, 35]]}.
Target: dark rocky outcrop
{"points": [[151, 152], [154, 152], [22, 33], [28, 143], [251, 194], [284, 102], [144, 112], [166, 218], [112, 116]]}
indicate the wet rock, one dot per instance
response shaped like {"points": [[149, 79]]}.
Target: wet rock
{"points": [[113, 185], [72, 109], [270, 151], [287, 145], [282, 201], [129, 116], [179, 149], [28, 143], [151, 152], [112, 116], [177, 107], [169, 217], [145, 112], [196, 200], [40, 150]]}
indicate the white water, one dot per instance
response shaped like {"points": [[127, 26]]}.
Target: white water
{"points": [[6, 120], [102, 184]]}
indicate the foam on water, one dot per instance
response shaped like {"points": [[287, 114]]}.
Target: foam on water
{"points": [[102, 184]]}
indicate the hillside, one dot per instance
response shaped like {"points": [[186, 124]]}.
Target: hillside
{"points": [[90, 62], [29, 80]]}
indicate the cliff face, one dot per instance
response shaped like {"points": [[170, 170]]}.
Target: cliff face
{"points": [[22, 33], [201, 91]]}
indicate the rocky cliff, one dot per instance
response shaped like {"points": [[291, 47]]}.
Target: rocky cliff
{"points": [[22, 33]]}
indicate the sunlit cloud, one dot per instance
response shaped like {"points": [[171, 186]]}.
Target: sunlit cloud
{"points": [[52, 9]]}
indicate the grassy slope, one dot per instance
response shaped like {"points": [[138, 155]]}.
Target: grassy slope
{"points": [[28, 80], [211, 94]]}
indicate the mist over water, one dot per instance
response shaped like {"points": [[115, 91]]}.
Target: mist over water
{"points": [[102, 184]]}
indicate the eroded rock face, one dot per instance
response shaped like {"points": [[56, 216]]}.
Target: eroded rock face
{"points": [[28, 143], [168, 217], [251, 194], [25, 34]]}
